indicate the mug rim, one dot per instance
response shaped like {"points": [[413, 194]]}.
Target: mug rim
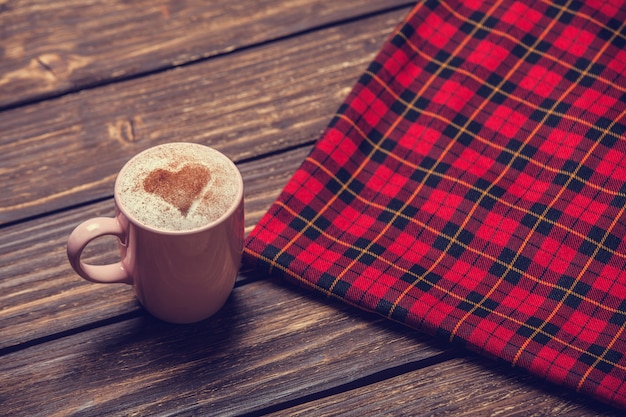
{"points": [[237, 201]]}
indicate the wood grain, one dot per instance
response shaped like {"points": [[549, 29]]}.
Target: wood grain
{"points": [[268, 344], [50, 48], [246, 104], [466, 386], [274, 346]]}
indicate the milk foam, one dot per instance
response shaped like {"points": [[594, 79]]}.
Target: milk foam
{"points": [[180, 202]]}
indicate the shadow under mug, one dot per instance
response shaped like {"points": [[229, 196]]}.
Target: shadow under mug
{"points": [[178, 276]]}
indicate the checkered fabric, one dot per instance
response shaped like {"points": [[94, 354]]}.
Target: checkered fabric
{"points": [[473, 186]]}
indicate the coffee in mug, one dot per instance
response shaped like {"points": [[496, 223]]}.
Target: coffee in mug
{"points": [[178, 187], [179, 218]]}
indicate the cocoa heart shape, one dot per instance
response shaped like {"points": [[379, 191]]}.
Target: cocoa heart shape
{"points": [[180, 188]]}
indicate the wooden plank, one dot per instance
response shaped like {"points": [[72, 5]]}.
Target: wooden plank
{"points": [[49, 48], [467, 386], [40, 294], [269, 344], [245, 104]]}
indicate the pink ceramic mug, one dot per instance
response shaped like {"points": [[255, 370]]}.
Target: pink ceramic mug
{"points": [[179, 219]]}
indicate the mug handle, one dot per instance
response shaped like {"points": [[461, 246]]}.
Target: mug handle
{"points": [[81, 236]]}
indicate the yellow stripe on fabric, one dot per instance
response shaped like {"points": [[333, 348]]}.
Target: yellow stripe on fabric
{"points": [[433, 230], [582, 162], [493, 145], [546, 55], [512, 97], [374, 149], [567, 293], [309, 223], [507, 317], [426, 85], [548, 206], [423, 225], [582, 271], [525, 242], [502, 174], [578, 13], [467, 185], [599, 359]]}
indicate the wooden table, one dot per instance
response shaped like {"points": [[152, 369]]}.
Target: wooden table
{"points": [[84, 85]]}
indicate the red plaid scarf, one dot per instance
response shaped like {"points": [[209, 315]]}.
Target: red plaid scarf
{"points": [[473, 186]]}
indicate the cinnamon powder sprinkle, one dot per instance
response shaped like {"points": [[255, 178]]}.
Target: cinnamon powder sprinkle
{"points": [[180, 188]]}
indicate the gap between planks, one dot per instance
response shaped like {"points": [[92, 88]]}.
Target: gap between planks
{"points": [[361, 382], [164, 68]]}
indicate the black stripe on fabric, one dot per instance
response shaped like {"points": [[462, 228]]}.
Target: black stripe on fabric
{"points": [[478, 25], [584, 72], [619, 316], [475, 303], [596, 351], [498, 94], [511, 267], [269, 252], [385, 307], [619, 200], [277, 255], [342, 110], [608, 32], [547, 333], [414, 272], [528, 329], [431, 4]]}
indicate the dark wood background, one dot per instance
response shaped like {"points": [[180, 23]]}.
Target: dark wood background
{"points": [[84, 85]]}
